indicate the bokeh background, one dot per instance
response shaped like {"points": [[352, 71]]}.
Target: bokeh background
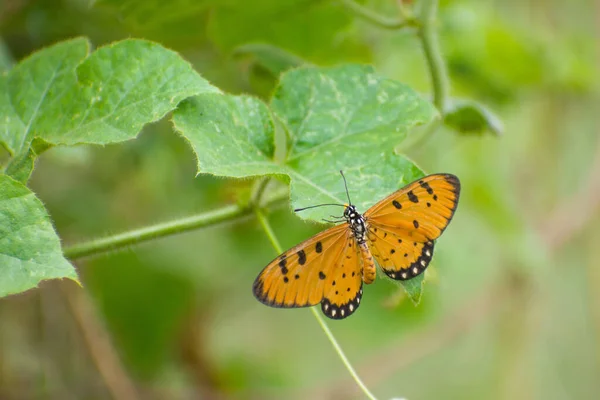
{"points": [[511, 306]]}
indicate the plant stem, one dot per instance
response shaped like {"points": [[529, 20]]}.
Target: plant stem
{"points": [[379, 20], [121, 240], [277, 246], [433, 54], [340, 352]]}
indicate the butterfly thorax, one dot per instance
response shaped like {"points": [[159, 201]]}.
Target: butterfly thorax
{"points": [[357, 223]]}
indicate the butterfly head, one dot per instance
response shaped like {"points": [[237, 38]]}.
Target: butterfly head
{"points": [[350, 212]]}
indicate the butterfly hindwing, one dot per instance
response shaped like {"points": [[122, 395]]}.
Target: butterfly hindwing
{"points": [[399, 258], [343, 288], [403, 226]]}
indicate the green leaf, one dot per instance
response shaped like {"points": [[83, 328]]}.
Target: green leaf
{"points": [[120, 88], [272, 58], [63, 97], [347, 118], [231, 135], [472, 118], [414, 288], [30, 88], [343, 118], [21, 166], [29, 247]]}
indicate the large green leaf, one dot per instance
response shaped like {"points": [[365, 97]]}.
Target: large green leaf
{"points": [[119, 89], [29, 247], [344, 118], [32, 86], [63, 96]]}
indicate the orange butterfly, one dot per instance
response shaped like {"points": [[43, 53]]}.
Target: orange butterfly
{"points": [[330, 267]]}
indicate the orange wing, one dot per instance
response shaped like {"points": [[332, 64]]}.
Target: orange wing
{"points": [[403, 226], [323, 269]]}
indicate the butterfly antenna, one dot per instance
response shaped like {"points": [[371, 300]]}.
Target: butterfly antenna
{"points": [[318, 205], [346, 186]]}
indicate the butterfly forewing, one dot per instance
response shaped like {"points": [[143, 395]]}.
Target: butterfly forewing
{"points": [[403, 226], [297, 277]]}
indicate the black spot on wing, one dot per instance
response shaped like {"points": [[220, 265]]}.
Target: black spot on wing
{"points": [[426, 186], [282, 264], [301, 257], [319, 247], [412, 197], [397, 204]]}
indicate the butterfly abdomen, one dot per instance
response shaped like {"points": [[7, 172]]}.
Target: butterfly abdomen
{"points": [[369, 272]]}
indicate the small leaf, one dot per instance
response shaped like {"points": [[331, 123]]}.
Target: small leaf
{"points": [[414, 288], [272, 58], [472, 118], [21, 166], [29, 247]]}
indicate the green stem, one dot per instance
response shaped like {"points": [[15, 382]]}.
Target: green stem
{"points": [[119, 241], [433, 54], [277, 246], [379, 20], [340, 352]]}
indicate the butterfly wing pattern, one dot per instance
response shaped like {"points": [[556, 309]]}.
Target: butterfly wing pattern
{"points": [[323, 269], [328, 268], [404, 225]]}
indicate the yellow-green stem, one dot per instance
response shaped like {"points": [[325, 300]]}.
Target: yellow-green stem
{"points": [[221, 215]]}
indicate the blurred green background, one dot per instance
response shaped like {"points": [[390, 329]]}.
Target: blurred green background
{"points": [[511, 306]]}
